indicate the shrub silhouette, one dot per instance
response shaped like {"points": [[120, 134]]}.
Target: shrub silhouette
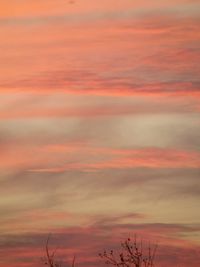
{"points": [[132, 255]]}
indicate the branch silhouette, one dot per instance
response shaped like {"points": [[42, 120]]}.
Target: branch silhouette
{"points": [[50, 258], [132, 255]]}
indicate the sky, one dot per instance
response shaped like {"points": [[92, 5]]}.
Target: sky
{"points": [[99, 129]]}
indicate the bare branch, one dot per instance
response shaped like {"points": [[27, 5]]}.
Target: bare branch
{"points": [[133, 255], [50, 257]]}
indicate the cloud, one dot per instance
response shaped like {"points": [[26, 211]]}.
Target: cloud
{"points": [[79, 64], [101, 111], [80, 83], [99, 131], [73, 240], [150, 158], [86, 157]]}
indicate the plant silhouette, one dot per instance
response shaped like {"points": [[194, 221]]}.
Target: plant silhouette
{"points": [[50, 258], [132, 255]]}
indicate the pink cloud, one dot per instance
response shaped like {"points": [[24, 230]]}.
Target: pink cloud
{"points": [[127, 158], [87, 242]]}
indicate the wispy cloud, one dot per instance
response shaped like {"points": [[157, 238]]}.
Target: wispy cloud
{"points": [[99, 128]]}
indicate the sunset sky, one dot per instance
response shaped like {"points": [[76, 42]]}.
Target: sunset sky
{"points": [[99, 129]]}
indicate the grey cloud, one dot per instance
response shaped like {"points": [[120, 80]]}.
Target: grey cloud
{"points": [[63, 189]]}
